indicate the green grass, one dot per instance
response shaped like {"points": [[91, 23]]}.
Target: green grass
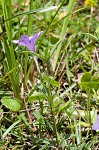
{"points": [[49, 99]]}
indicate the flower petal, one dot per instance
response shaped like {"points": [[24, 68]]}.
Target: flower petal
{"points": [[24, 41], [29, 42], [95, 126], [33, 40], [35, 36]]}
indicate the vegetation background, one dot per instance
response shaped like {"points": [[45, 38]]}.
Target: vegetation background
{"points": [[49, 98]]}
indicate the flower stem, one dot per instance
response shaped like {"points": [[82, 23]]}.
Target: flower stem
{"points": [[88, 108], [54, 125], [36, 62]]}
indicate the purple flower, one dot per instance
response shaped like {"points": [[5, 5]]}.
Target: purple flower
{"points": [[95, 126], [29, 42]]}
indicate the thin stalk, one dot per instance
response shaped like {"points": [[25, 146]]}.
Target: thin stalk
{"points": [[68, 74], [40, 102], [19, 29], [36, 62], [40, 125], [29, 29], [53, 116], [50, 100], [54, 125], [88, 107], [30, 19], [90, 21], [64, 29], [52, 19], [44, 14]]}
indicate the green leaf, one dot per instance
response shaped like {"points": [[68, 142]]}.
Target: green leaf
{"points": [[11, 104], [54, 38], [95, 79], [38, 116], [11, 127], [57, 102], [54, 83], [50, 98], [92, 36], [36, 96], [24, 119], [86, 77], [90, 47], [97, 32], [54, 48], [65, 106], [89, 82], [90, 85]]}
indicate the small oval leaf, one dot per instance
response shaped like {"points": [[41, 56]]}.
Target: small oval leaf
{"points": [[11, 104]]}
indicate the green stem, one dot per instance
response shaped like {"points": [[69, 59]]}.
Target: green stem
{"points": [[91, 14], [40, 125], [64, 29], [54, 125], [40, 102], [29, 29], [88, 107]]}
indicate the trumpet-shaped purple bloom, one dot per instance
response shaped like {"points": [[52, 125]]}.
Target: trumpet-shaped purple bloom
{"points": [[29, 42], [95, 126]]}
